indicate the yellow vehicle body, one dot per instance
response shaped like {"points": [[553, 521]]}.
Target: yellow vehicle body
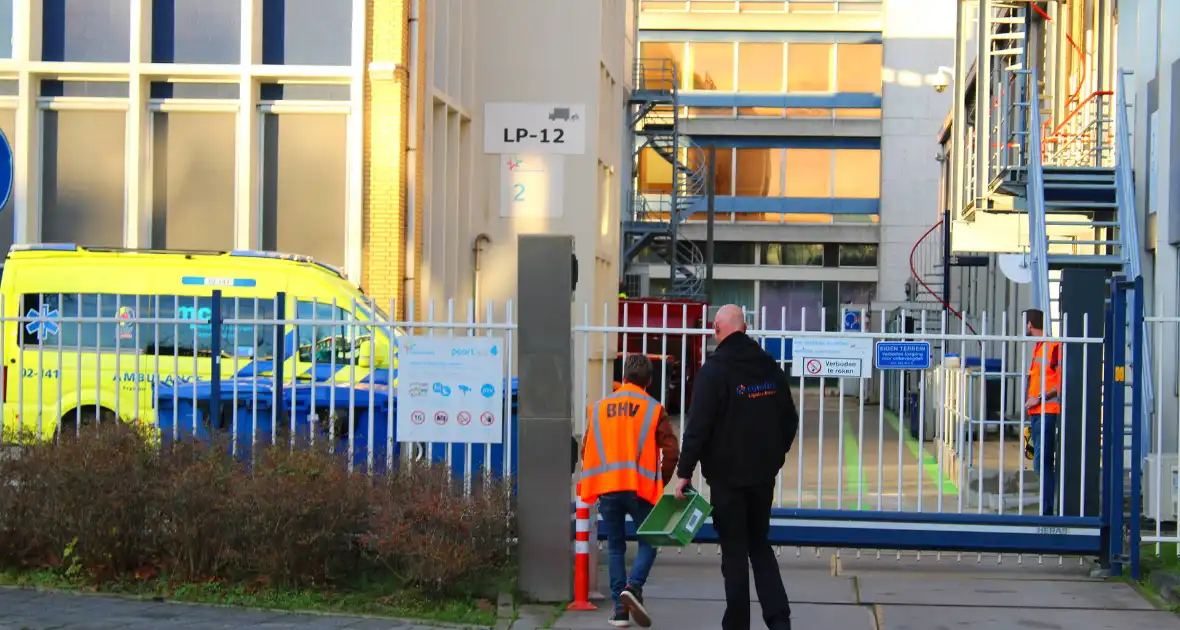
{"points": [[88, 333]]}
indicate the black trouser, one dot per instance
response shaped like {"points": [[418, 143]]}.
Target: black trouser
{"points": [[741, 517]]}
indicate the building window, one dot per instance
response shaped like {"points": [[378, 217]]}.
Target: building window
{"points": [[760, 67], [82, 196], [808, 6], [712, 5], [792, 304], [8, 126], [196, 31], [6, 17], [858, 68], [762, 6], [739, 292], [655, 73], [793, 254], [655, 173], [306, 32], [663, 5], [304, 185], [193, 180], [857, 293], [730, 252], [809, 67], [857, 173], [86, 30], [858, 255], [759, 173], [809, 173], [712, 66], [723, 178]]}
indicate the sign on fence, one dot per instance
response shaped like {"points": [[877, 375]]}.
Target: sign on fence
{"points": [[451, 390], [903, 355], [831, 356]]}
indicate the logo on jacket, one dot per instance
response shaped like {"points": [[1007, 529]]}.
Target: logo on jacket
{"points": [[759, 390]]}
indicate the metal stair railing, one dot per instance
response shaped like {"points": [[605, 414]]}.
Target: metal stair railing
{"points": [[1038, 239], [1129, 234]]}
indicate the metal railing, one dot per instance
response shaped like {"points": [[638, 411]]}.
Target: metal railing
{"points": [[1037, 230], [1085, 137]]}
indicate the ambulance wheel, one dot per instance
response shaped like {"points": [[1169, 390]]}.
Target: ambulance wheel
{"points": [[78, 419]]}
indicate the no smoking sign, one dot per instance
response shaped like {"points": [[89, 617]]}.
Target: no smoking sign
{"points": [[821, 367]]}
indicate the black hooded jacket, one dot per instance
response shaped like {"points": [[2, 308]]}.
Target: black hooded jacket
{"points": [[742, 420]]}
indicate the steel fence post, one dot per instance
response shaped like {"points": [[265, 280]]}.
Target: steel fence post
{"points": [[1138, 374], [1118, 404], [1108, 387], [215, 359]]}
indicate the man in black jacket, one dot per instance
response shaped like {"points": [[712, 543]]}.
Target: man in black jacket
{"points": [[741, 424]]}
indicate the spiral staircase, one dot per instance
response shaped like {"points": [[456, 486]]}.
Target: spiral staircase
{"points": [[655, 219]]}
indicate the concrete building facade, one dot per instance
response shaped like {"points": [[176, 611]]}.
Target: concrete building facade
{"points": [[821, 115], [349, 130]]}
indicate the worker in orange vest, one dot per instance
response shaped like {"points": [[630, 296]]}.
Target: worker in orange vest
{"points": [[1043, 407], [627, 433]]}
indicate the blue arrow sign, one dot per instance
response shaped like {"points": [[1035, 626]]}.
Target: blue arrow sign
{"points": [[851, 321], [43, 325], [5, 170]]}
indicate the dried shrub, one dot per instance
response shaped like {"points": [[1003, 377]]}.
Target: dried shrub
{"points": [[83, 505], [435, 537], [305, 514]]}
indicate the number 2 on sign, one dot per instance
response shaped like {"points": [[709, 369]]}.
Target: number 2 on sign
{"points": [[519, 192]]}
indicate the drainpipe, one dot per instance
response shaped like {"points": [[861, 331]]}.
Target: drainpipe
{"points": [[477, 264], [412, 164]]}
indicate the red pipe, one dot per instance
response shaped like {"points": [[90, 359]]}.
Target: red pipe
{"points": [[914, 273]]}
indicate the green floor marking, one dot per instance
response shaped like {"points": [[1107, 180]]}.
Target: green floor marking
{"points": [[854, 472], [929, 462]]}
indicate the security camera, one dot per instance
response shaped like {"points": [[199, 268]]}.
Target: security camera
{"points": [[940, 81]]}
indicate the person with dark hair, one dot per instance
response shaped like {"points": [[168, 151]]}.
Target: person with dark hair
{"points": [[627, 433], [741, 424], [1043, 407]]}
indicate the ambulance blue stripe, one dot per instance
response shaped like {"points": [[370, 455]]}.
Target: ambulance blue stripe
{"points": [[202, 281]]}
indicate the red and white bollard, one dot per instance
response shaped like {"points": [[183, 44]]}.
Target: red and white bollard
{"points": [[581, 555]]}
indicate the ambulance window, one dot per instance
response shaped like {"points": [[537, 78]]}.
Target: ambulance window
{"points": [[247, 341], [46, 311], [325, 341]]}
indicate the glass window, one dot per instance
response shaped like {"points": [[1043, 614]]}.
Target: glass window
{"points": [[306, 32], [858, 292], [82, 190], [723, 179], [858, 255], [663, 5], [196, 31], [327, 341], [804, 6], [740, 292], [759, 173], [712, 5], [762, 6], [809, 173], [801, 300], [86, 30], [859, 112], [712, 66], [180, 340], [794, 254], [858, 173], [858, 68], [655, 74], [760, 67], [655, 173], [809, 67], [730, 252]]}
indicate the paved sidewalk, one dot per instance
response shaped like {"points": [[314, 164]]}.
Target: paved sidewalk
{"points": [[685, 593], [23, 609]]}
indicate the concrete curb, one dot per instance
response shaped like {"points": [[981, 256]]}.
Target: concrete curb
{"points": [[277, 611], [505, 611]]}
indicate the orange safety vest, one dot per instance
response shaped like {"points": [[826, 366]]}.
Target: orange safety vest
{"points": [[1046, 364], [620, 451]]}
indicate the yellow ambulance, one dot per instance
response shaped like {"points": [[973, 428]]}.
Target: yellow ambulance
{"points": [[89, 332]]}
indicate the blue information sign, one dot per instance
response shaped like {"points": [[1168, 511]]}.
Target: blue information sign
{"points": [[851, 321], [5, 170], [903, 355]]}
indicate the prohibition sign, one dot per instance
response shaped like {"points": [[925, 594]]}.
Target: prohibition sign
{"points": [[487, 418], [440, 418], [814, 366], [418, 417], [463, 418]]}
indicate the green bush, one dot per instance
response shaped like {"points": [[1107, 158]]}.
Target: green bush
{"points": [[114, 506]]}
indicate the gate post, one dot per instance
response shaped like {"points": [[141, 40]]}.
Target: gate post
{"points": [[1138, 374], [545, 343], [1113, 448]]}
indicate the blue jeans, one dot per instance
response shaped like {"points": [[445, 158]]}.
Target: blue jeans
{"points": [[1049, 451], [614, 508]]}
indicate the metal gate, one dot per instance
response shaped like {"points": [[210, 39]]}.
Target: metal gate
{"points": [[923, 449]]}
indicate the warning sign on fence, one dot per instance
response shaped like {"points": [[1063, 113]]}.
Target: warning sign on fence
{"points": [[837, 357]]}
